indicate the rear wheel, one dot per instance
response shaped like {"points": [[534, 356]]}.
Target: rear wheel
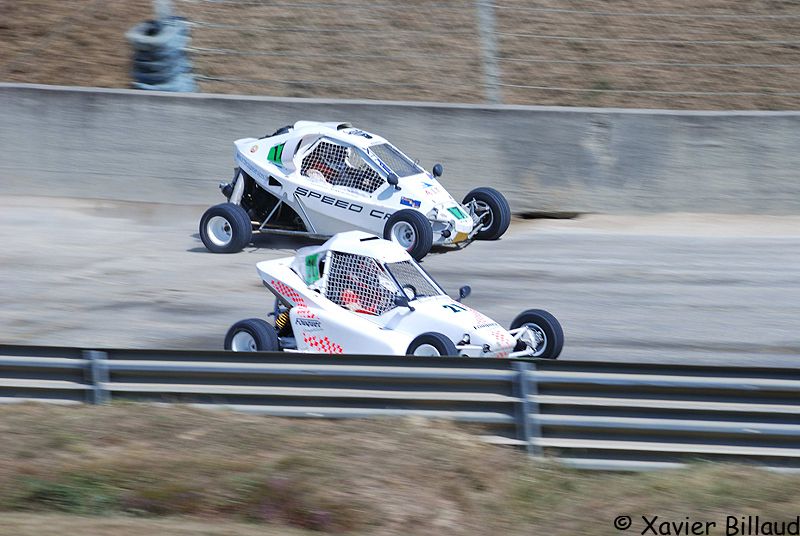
{"points": [[432, 344], [225, 228], [411, 230], [498, 214], [544, 334], [252, 335]]}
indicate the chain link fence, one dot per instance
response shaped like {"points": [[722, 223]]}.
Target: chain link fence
{"points": [[679, 54]]}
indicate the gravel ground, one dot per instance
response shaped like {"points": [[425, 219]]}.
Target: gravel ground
{"points": [[675, 287]]}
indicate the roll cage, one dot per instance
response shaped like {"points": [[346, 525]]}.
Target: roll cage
{"points": [[364, 285], [342, 164]]}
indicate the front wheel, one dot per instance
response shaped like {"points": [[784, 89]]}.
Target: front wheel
{"points": [[432, 344], [252, 335], [411, 230], [544, 334], [225, 228], [495, 210]]}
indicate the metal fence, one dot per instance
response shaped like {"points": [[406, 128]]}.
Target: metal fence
{"points": [[731, 55], [591, 415]]}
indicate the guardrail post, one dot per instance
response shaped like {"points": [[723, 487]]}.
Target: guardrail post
{"points": [[97, 376], [526, 411]]}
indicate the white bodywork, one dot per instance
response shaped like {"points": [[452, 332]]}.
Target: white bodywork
{"points": [[309, 285], [280, 165]]}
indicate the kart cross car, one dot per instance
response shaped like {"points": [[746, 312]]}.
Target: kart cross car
{"points": [[360, 294], [318, 179]]}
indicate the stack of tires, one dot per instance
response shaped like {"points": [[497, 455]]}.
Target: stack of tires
{"points": [[159, 58]]}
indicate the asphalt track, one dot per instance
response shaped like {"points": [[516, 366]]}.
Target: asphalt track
{"points": [[664, 288]]}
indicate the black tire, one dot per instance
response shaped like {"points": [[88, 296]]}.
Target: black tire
{"points": [[433, 341], [157, 67], [154, 78], [548, 326], [252, 335], [158, 56], [225, 228], [500, 212], [172, 67], [417, 229]]}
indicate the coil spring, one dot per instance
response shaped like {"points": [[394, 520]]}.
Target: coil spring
{"points": [[282, 319]]}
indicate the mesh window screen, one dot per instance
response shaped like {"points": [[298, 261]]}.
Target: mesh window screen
{"points": [[396, 160], [409, 275], [341, 166], [358, 283]]}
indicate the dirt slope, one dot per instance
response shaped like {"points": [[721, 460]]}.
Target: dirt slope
{"points": [[632, 54]]}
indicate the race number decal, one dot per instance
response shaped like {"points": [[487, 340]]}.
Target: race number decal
{"points": [[456, 308]]}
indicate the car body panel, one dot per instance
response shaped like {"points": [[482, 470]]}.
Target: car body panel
{"points": [[275, 163], [321, 325]]}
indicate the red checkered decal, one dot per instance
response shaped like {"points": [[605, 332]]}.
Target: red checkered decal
{"points": [[304, 312], [504, 341], [288, 292], [502, 337], [322, 345]]}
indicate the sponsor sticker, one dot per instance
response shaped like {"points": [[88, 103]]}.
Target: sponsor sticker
{"points": [[252, 170], [357, 132], [308, 324], [457, 212], [460, 237], [432, 189], [407, 201]]}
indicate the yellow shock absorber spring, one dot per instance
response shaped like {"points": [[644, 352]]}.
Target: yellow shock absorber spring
{"points": [[282, 319]]}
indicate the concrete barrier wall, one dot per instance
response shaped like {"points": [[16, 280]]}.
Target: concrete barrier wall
{"points": [[139, 146]]}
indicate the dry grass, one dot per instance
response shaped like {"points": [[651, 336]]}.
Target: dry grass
{"points": [[69, 42], [40, 524], [360, 477], [419, 50]]}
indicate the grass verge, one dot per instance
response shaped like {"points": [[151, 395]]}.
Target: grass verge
{"points": [[137, 463]]}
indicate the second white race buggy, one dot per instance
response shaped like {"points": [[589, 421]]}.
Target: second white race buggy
{"points": [[360, 294], [318, 179]]}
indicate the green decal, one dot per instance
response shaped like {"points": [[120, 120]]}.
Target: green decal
{"points": [[275, 153], [312, 268], [457, 212]]}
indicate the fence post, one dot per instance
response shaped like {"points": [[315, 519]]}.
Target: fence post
{"points": [[527, 423], [485, 10], [97, 376]]}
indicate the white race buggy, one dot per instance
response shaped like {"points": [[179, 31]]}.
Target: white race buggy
{"points": [[360, 294], [318, 179]]}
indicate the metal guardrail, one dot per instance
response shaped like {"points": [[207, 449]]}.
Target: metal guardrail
{"points": [[591, 415]]}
